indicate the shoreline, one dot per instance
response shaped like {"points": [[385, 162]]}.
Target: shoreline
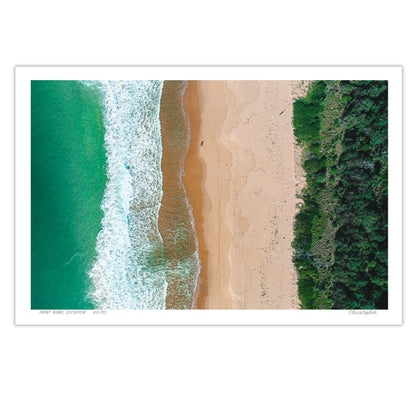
{"points": [[207, 189], [242, 173], [192, 179], [175, 218]]}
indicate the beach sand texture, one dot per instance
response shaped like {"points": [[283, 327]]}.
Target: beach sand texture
{"points": [[242, 174]]}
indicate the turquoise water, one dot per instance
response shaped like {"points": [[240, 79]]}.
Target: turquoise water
{"points": [[68, 177]]}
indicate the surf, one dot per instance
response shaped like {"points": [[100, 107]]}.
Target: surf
{"points": [[130, 270]]}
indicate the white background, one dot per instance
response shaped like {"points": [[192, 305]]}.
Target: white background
{"points": [[206, 370]]}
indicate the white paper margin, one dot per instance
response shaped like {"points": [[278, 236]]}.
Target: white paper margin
{"points": [[25, 316]]}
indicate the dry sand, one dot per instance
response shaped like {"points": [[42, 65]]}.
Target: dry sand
{"points": [[242, 174]]}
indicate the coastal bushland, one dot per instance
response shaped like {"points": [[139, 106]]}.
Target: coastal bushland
{"points": [[341, 228]]}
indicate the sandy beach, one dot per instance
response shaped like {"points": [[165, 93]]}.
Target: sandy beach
{"points": [[242, 174]]}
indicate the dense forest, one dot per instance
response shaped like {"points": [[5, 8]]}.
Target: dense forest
{"points": [[340, 244]]}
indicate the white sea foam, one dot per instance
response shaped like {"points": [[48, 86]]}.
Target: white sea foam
{"points": [[129, 271]]}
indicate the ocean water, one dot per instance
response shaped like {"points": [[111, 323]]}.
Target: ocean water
{"points": [[129, 249], [68, 177]]}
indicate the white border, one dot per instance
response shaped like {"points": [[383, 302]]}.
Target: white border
{"points": [[23, 313]]}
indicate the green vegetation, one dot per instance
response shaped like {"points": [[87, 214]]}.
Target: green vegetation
{"points": [[341, 228]]}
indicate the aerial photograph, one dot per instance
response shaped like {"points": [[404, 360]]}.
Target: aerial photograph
{"points": [[209, 194]]}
